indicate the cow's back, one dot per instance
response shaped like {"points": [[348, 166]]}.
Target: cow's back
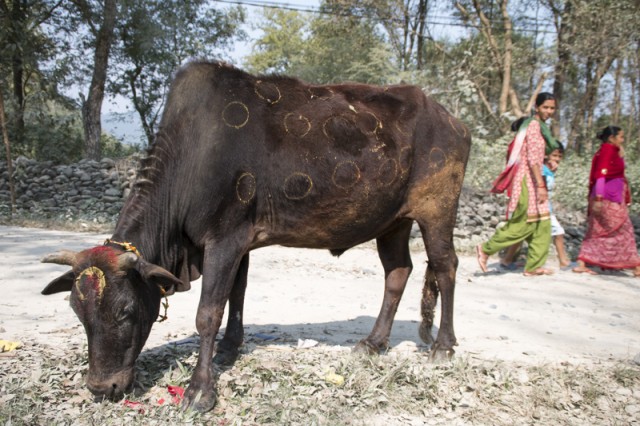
{"points": [[313, 166]]}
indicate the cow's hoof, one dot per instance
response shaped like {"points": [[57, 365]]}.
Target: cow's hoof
{"points": [[197, 400], [226, 354], [440, 355], [425, 334], [365, 347]]}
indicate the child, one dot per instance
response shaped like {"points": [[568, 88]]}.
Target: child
{"points": [[549, 168]]}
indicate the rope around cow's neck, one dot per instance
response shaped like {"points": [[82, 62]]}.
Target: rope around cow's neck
{"points": [[127, 246]]}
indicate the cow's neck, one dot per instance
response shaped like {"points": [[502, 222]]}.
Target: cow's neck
{"points": [[150, 222]]}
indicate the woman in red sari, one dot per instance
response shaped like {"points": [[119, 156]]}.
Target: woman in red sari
{"points": [[610, 241]]}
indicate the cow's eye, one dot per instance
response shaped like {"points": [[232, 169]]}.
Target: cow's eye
{"points": [[125, 314]]}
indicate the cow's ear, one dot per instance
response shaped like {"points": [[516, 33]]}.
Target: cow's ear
{"points": [[62, 283], [160, 276]]}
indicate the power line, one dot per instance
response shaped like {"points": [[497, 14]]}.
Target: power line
{"points": [[441, 20]]}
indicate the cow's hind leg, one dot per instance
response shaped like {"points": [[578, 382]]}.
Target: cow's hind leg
{"points": [[440, 275], [393, 249], [428, 304], [227, 350]]}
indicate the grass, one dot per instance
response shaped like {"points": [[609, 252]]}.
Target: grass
{"points": [[283, 385]]}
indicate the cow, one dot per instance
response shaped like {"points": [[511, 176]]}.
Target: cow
{"points": [[241, 162]]}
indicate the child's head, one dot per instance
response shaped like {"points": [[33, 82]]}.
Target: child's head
{"points": [[555, 157]]}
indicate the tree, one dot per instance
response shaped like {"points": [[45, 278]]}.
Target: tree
{"points": [[404, 22], [24, 46], [155, 38], [565, 30], [500, 47], [7, 145], [282, 46], [335, 46], [100, 19]]}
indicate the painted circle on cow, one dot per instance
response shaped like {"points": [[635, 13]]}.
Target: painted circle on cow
{"points": [[297, 186], [93, 278], [297, 125], [235, 114], [437, 159], [405, 159], [400, 128], [455, 125], [388, 172], [320, 92], [368, 122], [346, 174], [267, 91], [337, 126], [246, 187]]}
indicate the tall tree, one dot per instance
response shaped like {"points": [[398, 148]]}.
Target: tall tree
{"points": [[100, 18], [7, 145], [282, 45], [404, 22], [24, 46], [336, 45], [156, 37], [500, 45], [565, 30], [605, 29]]}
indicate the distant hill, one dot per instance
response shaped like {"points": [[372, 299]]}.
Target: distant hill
{"points": [[124, 126]]}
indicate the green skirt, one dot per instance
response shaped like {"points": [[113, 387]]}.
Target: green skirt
{"points": [[536, 234]]}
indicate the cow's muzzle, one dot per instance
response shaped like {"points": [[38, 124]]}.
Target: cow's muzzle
{"points": [[113, 387]]}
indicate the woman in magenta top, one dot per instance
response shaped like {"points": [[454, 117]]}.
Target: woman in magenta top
{"points": [[610, 241]]}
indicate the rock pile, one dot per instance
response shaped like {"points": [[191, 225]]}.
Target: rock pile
{"points": [[92, 190], [86, 190]]}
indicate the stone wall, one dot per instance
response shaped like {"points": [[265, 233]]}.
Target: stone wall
{"points": [[86, 190], [91, 190]]}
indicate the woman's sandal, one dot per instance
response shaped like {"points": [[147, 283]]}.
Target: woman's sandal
{"points": [[538, 272], [580, 270], [482, 258]]}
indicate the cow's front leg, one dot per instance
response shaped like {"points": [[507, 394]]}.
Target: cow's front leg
{"points": [[220, 267], [393, 249], [228, 348]]}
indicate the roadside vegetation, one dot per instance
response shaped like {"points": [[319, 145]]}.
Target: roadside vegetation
{"points": [[279, 384]]}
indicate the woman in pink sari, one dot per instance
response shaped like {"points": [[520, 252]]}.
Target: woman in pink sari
{"points": [[610, 241]]}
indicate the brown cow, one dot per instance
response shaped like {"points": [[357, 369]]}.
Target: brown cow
{"points": [[242, 162]]}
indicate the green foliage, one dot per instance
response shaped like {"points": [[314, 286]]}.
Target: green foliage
{"points": [[282, 45], [328, 48], [52, 132], [155, 38], [113, 148]]}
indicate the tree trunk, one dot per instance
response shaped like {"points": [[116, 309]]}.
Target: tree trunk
{"points": [[422, 17], [502, 59], [617, 107], [581, 125], [632, 128], [506, 60], [92, 106], [5, 138], [564, 30], [16, 25], [637, 93]]}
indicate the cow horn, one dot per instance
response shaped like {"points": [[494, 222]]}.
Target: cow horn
{"points": [[127, 260], [63, 257]]}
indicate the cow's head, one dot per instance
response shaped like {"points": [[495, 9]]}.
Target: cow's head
{"points": [[116, 295]]}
